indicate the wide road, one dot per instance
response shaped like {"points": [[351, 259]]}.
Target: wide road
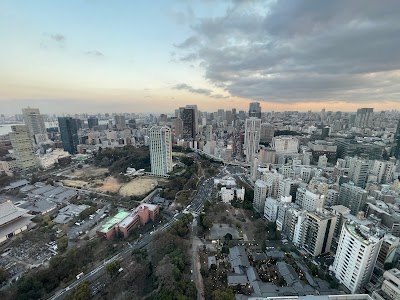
{"points": [[126, 252], [203, 193]]}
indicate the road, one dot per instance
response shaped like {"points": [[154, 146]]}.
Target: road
{"points": [[126, 252], [203, 193]]}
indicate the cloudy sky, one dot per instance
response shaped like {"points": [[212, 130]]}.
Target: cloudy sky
{"points": [[154, 56]]}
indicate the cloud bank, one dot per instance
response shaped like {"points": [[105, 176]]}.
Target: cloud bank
{"points": [[292, 51]]}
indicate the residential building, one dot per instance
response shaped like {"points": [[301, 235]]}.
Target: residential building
{"points": [[120, 122], [383, 170], [69, 134], [322, 161], [387, 252], [160, 150], [317, 232], [390, 289], [353, 197], [356, 255], [332, 197], [358, 172], [288, 187], [22, 148], [364, 117], [309, 200], [271, 209], [260, 194], [252, 138], [177, 128], [34, 120]]}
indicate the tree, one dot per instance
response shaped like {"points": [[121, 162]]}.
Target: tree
{"points": [[113, 267], [3, 275], [226, 294], [62, 244], [81, 292]]}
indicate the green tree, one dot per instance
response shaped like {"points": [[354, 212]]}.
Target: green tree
{"points": [[62, 244], [226, 294], [81, 292], [3, 275], [113, 267]]}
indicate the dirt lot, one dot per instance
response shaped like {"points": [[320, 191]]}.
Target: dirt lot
{"points": [[138, 186], [88, 172], [75, 183], [110, 184]]}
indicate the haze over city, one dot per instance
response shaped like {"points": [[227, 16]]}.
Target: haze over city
{"points": [[288, 55]]}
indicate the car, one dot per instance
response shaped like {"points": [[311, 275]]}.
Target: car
{"points": [[77, 224]]}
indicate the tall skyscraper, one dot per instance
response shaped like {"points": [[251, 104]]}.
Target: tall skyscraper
{"points": [[34, 120], [120, 122], [22, 148], [92, 122], [356, 255], [267, 132], [177, 128], [189, 119], [69, 134], [364, 117], [397, 142], [160, 150], [353, 197], [252, 138], [255, 110]]}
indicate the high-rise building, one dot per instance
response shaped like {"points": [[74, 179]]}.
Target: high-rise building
{"points": [[92, 122], [383, 170], [189, 119], [353, 197], [317, 232], [358, 172], [208, 133], [22, 148], [288, 187], [260, 194], [177, 128], [120, 122], [69, 134], [160, 150], [356, 255], [34, 120], [255, 110], [252, 138], [266, 133], [364, 117], [310, 200], [397, 141]]}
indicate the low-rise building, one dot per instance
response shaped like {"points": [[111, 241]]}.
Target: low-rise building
{"points": [[13, 220]]}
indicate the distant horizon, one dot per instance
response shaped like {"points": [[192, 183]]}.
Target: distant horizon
{"points": [[65, 56]]}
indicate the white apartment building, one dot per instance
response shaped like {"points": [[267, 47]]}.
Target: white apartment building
{"points": [[358, 172], [285, 144], [260, 194], [22, 148], [356, 255], [272, 180], [383, 170], [271, 209], [34, 120], [160, 150], [322, 161], [252, 137], [310, 200], [390, 287]]}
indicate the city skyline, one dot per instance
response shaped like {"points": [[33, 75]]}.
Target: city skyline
{"points": [[144, 58]]}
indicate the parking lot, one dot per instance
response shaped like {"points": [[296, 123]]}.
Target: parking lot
{"points": [[85, 227]]}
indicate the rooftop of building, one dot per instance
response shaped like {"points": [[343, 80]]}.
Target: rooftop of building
{"points": [[9, 212], [113, 221], [364, 236]]}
